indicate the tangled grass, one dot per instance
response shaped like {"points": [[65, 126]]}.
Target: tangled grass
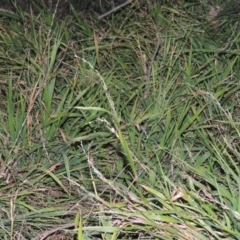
{"points": [[124, 128]]}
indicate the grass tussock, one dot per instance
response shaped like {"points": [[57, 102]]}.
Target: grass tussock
{"points": [[120, 128]]}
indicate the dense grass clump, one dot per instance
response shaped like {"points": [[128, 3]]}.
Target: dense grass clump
{"points": [[124, 127]]}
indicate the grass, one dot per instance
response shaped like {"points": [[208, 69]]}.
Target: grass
{"points": [[127, 128]]}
